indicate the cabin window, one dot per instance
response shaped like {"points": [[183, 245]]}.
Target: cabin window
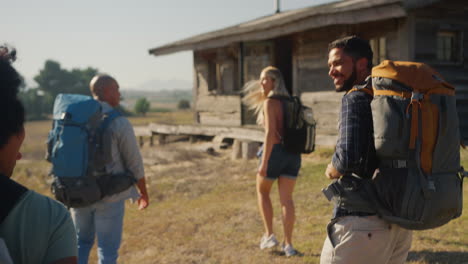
{"points": [[227, 77], [257, 55], [379, 48], [212, 73], [221, 77], [447, 46]]}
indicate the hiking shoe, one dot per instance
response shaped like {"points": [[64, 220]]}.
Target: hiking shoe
{"points": [[289, 251], [268, 242]]}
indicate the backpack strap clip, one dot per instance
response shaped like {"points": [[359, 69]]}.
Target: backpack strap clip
{"points": [[415, 96], [462, 173], [332, 190], [415, 105], [396, 164]]}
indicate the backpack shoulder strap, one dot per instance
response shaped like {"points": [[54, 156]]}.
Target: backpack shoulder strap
{"points": [[108, 118], [103, 143], [10, 193], [365, 90], [366, 87]]}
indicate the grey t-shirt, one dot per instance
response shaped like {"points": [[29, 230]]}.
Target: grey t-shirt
{"points": [[38, 230]]}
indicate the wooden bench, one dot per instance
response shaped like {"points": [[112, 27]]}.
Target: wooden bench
{"points": [[246, 140]]}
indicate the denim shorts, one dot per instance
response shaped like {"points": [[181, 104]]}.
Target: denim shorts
{"points": [[281, 163]]}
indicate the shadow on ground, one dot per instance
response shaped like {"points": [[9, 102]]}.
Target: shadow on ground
{"points": [[281, 253], [441, 257]]}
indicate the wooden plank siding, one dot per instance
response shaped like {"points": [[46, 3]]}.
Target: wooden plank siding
{"points": [[217, 100], [311, 78], [219, 109], [311, 51], [451, 19]]}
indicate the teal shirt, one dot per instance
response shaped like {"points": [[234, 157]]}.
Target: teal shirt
{"points": [[39, 230]]}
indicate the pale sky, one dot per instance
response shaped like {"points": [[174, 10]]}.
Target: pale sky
{"points": [[115, 35]]}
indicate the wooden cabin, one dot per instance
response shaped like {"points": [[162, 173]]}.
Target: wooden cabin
{"points": [[430, 31]]}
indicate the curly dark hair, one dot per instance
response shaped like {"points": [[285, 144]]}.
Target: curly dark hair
{"points": [[11, 109], [7, 53]]}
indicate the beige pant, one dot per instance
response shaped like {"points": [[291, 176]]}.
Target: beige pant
{"points": [[363, 240]]}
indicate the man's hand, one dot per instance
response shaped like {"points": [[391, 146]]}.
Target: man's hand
{"points": [[143, 202], [332, 173]]}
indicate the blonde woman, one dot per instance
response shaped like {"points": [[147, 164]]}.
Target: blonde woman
{"points": [[275, 161]]}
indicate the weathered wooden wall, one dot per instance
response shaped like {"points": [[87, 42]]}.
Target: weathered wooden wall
{"points": [[311, 50], [310, 69], [257, 55], [217, 100], [452, 17], [219, 110]]}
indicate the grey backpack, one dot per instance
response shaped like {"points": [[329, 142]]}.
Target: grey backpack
{"points": [[418, 184], [299, 125]]}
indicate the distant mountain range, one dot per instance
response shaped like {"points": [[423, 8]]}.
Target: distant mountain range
{"points": [[158, 85], [158, 95], [167, 98]]}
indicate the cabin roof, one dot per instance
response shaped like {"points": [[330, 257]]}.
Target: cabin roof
{"points": [[293, 21]]}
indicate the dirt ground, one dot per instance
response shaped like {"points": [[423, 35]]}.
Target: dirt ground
{"points": [[203, 208]]}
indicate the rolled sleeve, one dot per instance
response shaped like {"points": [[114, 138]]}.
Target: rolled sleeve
{"points": [[338, 164]]}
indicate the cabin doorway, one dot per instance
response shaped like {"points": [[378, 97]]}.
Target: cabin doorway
{"points": [[256, 56], [283, 60]]}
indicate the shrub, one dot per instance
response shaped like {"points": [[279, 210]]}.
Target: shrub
{"points": [[142, 106], [183, 104]]}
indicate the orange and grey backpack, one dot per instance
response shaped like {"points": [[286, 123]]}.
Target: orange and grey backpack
{"points": [[418, 184]]}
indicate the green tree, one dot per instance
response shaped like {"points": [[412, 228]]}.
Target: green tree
{"points": [[34, 101], [142, 106], [52, 79], [183, 104]]}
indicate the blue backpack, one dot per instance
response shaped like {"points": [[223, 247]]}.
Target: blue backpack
{"points": [[79, 150]]}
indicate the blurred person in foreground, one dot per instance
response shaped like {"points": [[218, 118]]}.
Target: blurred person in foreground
{"points": [[33, 227]]}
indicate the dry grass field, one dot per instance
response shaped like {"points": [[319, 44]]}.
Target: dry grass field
{"points": [[203, 207]]}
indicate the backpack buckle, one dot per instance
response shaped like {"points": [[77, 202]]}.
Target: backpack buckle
{"points": [[462, 173], [65, 115], [415, 96], [398, 164], [331, 191], [431, 185]]}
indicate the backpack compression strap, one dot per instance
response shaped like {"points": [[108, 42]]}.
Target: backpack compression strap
{"points": [[10, 193]]}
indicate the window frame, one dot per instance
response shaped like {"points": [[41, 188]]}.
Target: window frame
{"points": [[457, 53]]}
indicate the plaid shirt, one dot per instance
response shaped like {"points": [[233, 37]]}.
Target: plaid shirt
{"points": [[355, 151]]}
